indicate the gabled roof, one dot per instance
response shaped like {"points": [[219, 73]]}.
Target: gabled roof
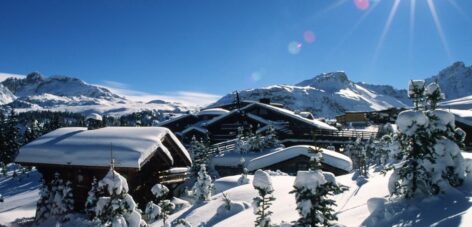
{"points": [[131, 147], [329, 157], [288, 113], [189, 129], [172, 120]]}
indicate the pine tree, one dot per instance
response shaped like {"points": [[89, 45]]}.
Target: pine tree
{"points": [[92, 198], [202, 188], [261, 204], [312, 189], [270, 139], [119, 209], [10, 138], [152, 212], [430, 144], [32, 131], [68, 201], [181, 223], [43, 204], [200, 153], [57, 197]]}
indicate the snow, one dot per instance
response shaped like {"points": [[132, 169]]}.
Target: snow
{"points": [[409, 120], [131, 146], [159, 190], [286, 112], [94, 116], [114, 182], [310, 180], [329, 157], [212, 111], [262, 181]]}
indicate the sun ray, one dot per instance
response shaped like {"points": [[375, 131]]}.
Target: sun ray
{"points": [[386, 29], [437, 23], [459, 10], [334, 5], [412, 29]]}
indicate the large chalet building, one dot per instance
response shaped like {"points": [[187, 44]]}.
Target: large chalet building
{"points": [[143, 155], [219, 125]]}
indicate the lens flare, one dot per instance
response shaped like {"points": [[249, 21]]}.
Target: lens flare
{"points": [[309, 36], [362, 4], [294, 47]]}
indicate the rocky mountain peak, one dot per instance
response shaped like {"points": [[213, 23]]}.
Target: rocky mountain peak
{"points": [[333, 81]]}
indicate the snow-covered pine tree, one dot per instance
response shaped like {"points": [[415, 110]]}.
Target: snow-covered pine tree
{"points": [[68, 201], [270, 139], [240, 141], [200, 153], [119, 209], [163, 209], [92, 198], [430, 143], [312, 191], [202, 188], [32, 131], [57, 197], [43, 205], [261, 204]]}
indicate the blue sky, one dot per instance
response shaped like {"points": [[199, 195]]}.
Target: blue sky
{"points": [[183, 47]]}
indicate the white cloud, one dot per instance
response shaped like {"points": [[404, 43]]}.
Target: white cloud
{"points": [[191, 98], [4, 76]]}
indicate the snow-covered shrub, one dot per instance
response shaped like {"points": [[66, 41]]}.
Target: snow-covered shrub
{"points": [[243, 179], [92, 199], [202, 188], [430, 143], [312, 191], [119, 209], [152, 212], [358, 154], [159, 191], [261, 204], [181, 223], [166, 209], [43, 204]]}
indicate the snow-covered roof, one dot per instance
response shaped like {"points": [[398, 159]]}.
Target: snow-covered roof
{"points": [[213, 111], [312, 122], [131, 146], [260, 160], [329, 157], [166, 122], [94, 116]]}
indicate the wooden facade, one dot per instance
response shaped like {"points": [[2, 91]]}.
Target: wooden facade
{"points": [[154, 169]]}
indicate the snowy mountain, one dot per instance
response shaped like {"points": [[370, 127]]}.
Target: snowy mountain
{"points": [[327, 95], [455, 80], [6, 96], [62, 93], [331, 94]]}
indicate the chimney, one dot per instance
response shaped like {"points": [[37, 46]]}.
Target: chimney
{"points": [[265, 100]]}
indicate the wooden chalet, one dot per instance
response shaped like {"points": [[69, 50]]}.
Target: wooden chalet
{"points": [[291, 128], [143, 155], [288, 160], [192, 125], [353, 119]]}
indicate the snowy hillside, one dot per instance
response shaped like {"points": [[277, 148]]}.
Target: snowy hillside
{"points": [[5, 95], [455, 80], [61, 93], [327, 95]]}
